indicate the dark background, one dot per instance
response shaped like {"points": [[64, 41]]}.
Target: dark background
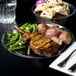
{"points": [[12, 65]]}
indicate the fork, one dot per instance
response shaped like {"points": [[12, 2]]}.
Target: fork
{"points": [[63, 63]]}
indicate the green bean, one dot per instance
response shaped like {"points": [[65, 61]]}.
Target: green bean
{"points": [[28, 50], [28, 28], [10, 34], [16, 48], [12, 38], [21, 43], [24, 26], [16, 36], [11, 41], [15, 39], [34, 27], [17, 42]]}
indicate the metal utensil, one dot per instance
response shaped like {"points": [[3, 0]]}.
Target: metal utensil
{"points": [[72, 68], [63, 63]]}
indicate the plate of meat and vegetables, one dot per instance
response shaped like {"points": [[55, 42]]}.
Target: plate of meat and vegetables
{"points": [[32, 40]]}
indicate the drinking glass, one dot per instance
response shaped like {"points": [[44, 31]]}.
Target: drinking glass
{"points": [[7, 11]]}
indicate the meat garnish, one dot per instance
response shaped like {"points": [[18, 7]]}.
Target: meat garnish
{"points": [[39, 43]]}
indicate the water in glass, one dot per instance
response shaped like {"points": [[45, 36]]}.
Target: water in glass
{"points": [[8, 11]]}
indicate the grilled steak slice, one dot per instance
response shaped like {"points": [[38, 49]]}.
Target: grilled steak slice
{"points": [[38, 43], [43, 46]]}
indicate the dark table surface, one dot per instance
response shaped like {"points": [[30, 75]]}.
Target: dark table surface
{"points": [[10, 64]]}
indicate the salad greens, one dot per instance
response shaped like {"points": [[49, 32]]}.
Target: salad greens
{"points": [[15, 42]]}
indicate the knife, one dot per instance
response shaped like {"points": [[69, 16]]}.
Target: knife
{"points": [[62, 64]]}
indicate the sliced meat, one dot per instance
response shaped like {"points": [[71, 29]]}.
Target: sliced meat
{"points": [[44, 47]]}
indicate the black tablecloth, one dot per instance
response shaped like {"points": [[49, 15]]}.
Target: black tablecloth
{"points": [[10, 64]]}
